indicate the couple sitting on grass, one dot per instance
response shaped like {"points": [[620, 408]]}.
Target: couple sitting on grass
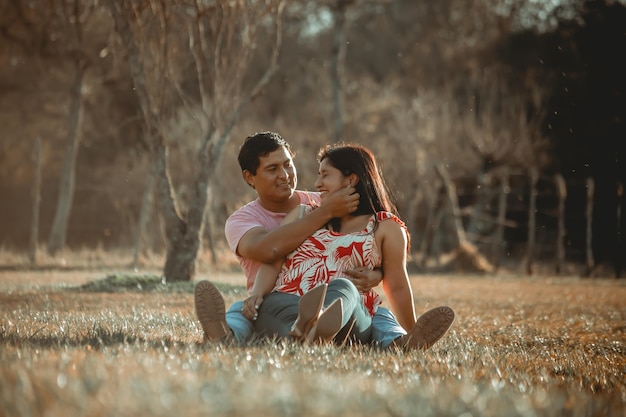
{"points": [[312, 259]]}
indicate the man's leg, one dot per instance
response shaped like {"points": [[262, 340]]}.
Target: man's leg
{"points": [[277, 315], [240, 325], [210, 311], [385, 328]]}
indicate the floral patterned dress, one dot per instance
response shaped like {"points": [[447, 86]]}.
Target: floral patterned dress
{"points": [[326, 254]]}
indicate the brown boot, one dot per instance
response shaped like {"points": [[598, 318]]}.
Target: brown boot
{"points": [[211, 311], [428, 329]]}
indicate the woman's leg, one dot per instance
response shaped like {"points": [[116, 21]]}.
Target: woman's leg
{"points": [[353, 311], [277, 315], [385, 328]]}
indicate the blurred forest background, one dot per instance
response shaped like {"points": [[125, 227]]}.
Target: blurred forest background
{"points": [[498, 123]]}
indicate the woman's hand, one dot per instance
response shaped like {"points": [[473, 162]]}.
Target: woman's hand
{"points": [[364, 279], [251, 306]]}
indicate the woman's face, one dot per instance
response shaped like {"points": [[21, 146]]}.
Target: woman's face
{"points": [[330, 179]]}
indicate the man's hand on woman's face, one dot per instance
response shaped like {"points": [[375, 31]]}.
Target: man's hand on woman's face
{"points": [[342, 202], [363, 278]]}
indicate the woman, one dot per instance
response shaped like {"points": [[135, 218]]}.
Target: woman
{"points": [[372, 236]]}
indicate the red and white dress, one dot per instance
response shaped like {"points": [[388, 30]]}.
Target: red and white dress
{"points": [[326, 254]]}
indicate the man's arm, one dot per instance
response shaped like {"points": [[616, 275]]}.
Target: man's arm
{"points": [[268, 246], [267, 274], [263, 284]]}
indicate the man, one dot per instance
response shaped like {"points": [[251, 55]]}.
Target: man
{"points": [[254, 234]]}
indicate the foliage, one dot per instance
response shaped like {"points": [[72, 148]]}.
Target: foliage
{"points": [[471, 84], [152, 283]]}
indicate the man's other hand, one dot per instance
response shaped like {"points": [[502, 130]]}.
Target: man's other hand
{"points": [[363, 278]]}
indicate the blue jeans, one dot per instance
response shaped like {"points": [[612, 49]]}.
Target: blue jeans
{"points": [[280, 310], [240, 325], [384, 326], [356, 320]]}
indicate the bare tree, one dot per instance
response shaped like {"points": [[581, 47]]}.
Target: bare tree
{"points": [[341, 19], [219, 39], [34, 230], [54, 31], [337, 67], [72, 13]]}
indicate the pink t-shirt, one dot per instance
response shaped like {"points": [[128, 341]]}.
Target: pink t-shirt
{"points": [[254, 215]]}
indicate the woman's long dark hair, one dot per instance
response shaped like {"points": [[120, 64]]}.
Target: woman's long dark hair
{"points": [[374, 195]]}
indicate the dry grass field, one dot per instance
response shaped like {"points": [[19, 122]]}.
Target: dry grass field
{"points": [[539, 346]]}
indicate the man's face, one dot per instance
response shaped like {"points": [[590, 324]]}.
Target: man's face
{"points": [[276, 177]]}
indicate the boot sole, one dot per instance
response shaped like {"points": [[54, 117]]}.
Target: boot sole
{"points": [[430, 327], [210, 310]]}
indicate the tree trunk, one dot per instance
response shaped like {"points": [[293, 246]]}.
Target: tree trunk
{"points": [[182, 249], [209, 220], [433, 220], [532, 223], [459, 231], [58, 234], [412, 216], [146, 210], [336, 69], [561, 189], [619, 234], [589, 261], [480, 222], [34, 226], [498, 242], [436, 246], [183, 234]]}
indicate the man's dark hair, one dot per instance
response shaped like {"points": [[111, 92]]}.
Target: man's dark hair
{"points": [[258, 145]]}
